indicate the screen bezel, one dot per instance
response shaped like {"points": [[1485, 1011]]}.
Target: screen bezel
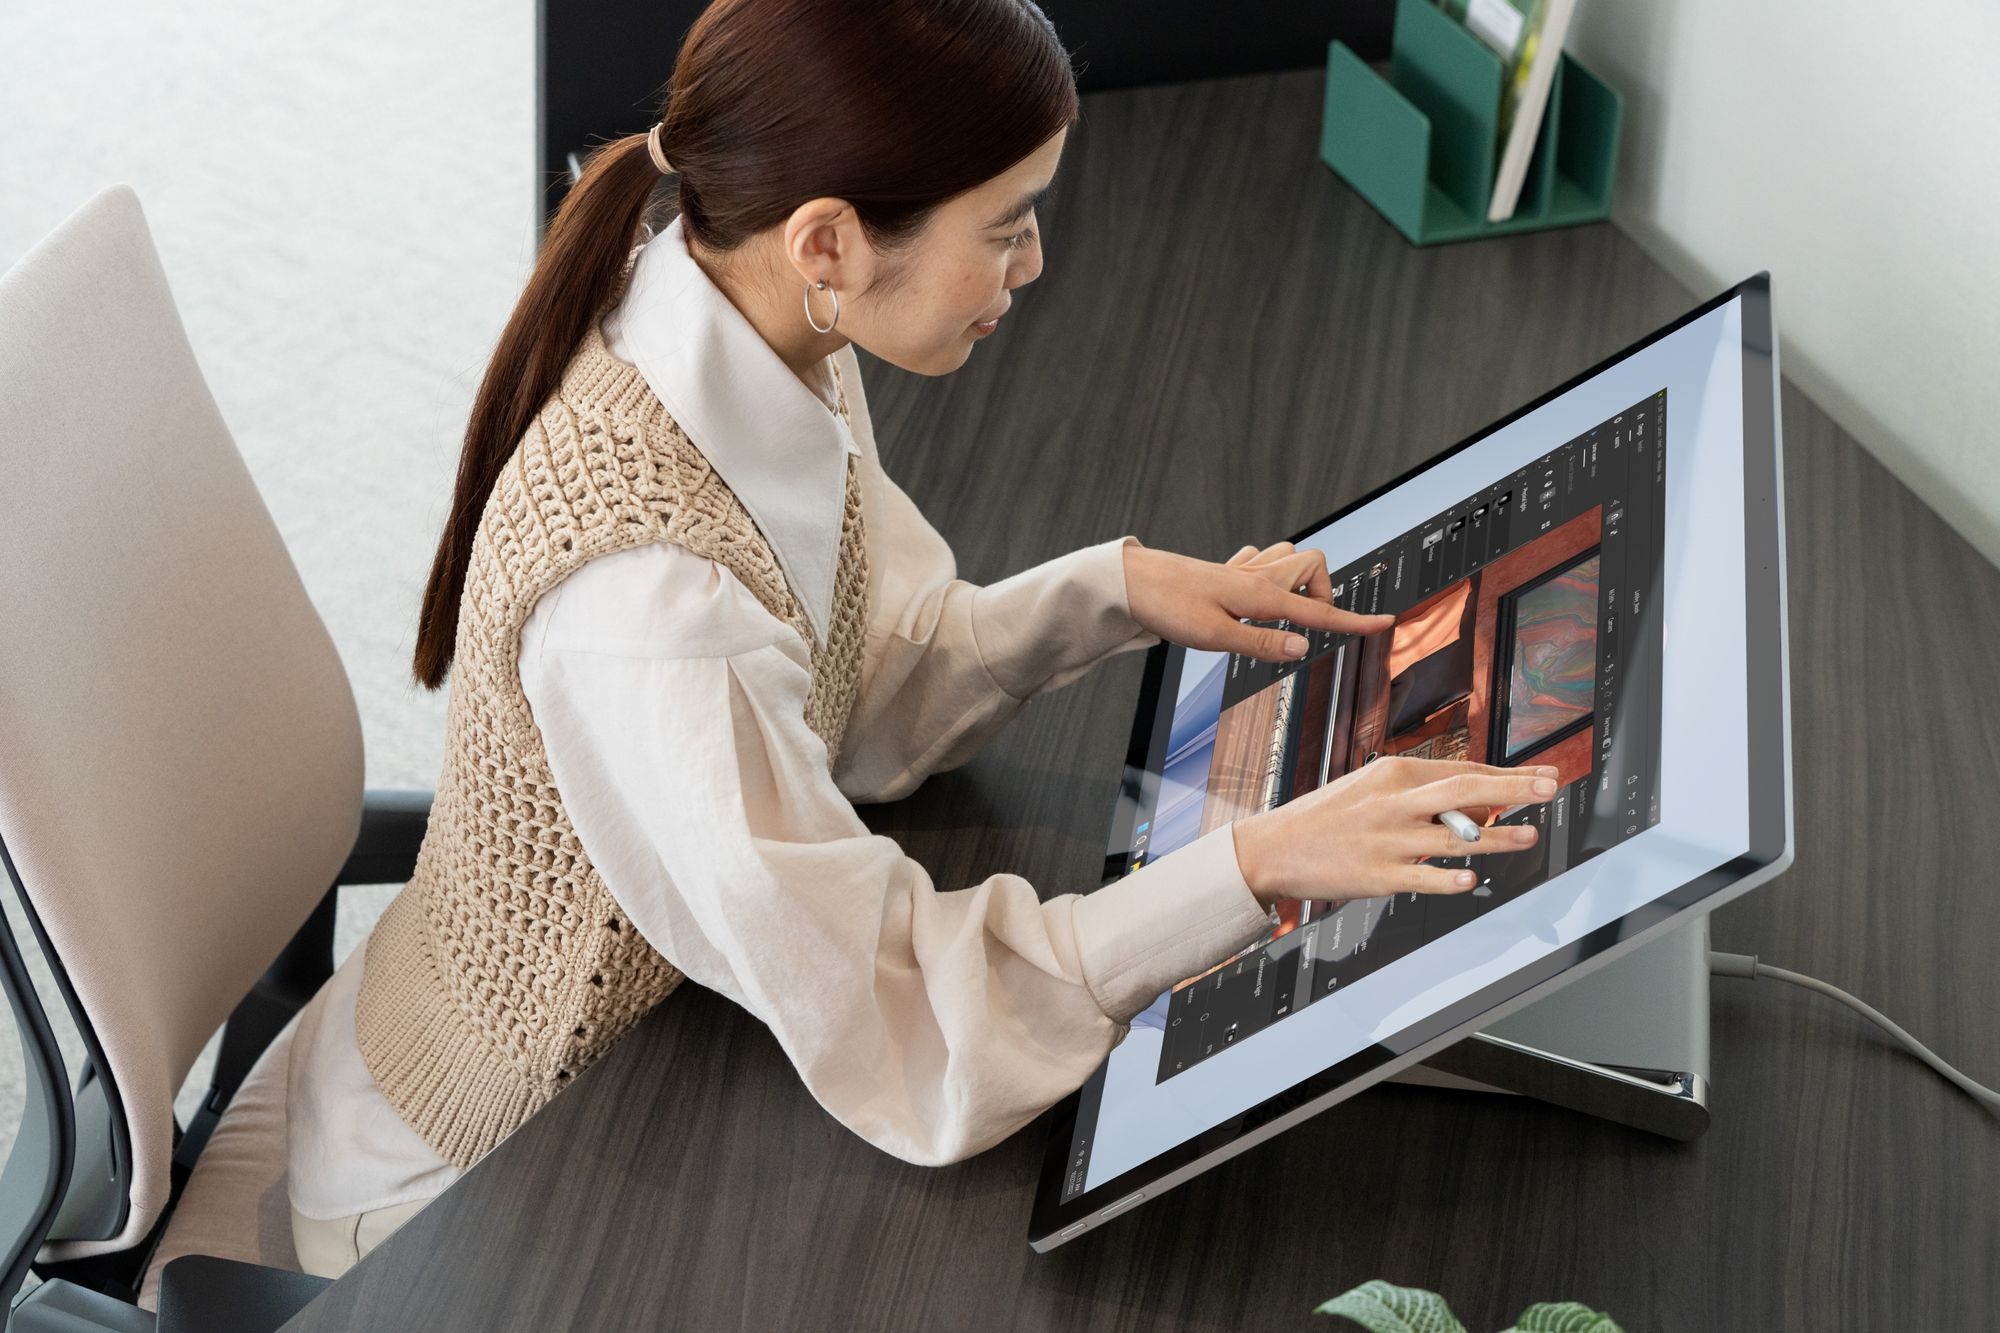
{"points": [[1770, 797]]}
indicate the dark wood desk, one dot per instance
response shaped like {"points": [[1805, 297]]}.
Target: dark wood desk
{"points": [[1226, 343]]}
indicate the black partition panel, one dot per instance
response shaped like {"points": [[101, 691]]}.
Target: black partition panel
{"points": [[602, 67]]}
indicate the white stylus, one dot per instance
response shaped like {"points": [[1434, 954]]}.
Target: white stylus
{"points": [[1458, 822]]}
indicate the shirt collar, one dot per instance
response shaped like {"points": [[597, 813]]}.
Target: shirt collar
{"points": [[778, 446]]}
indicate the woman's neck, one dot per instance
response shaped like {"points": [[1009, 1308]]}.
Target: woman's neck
{"points": [[766, 292]]}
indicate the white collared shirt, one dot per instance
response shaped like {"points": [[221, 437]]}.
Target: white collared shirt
{"points": [[670, 705]]}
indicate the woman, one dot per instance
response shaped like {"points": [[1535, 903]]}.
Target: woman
{"points": [[689, 621]]}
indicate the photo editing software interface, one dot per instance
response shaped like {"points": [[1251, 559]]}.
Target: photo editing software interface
{"points": [[1525, 635]]}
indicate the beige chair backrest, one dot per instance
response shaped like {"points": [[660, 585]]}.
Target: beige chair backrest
{"points": [[180, 756]]}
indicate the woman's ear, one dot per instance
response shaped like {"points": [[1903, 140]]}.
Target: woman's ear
{"points": [[823, 240]]}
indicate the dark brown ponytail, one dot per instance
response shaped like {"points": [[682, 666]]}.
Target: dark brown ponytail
{"points": [[894, 105], [581, 262]]}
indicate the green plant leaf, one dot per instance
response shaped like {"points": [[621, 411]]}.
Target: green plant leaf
{"points": [[1381, 1307], [1563, 1317]]}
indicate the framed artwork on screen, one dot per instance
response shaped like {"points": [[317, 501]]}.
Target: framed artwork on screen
{"points": [[1545, 660]]}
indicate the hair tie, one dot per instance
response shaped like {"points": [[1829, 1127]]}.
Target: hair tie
{"points": [[653, 148]]}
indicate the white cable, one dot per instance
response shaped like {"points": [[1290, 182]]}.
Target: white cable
{"points": [[1746, 965]]}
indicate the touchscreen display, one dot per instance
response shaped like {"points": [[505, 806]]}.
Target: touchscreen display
{"points": [[1535, 577]]}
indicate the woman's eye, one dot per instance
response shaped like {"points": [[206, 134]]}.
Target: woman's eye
{"points": [[1020, 240]]}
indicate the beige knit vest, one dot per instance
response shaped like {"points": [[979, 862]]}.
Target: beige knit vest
{"points": [[504, 968]]}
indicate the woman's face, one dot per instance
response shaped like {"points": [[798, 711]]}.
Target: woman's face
{"points": [[924, 305]]}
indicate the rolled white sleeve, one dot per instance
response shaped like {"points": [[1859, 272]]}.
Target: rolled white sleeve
{"points": [[951, 662], [933, 1024]]}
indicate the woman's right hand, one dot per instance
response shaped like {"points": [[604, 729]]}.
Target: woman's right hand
{"points": [[1364, 835]]}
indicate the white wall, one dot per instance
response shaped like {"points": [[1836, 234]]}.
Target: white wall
{"points": [[1852, 148], [342, 193], [343, 196]]}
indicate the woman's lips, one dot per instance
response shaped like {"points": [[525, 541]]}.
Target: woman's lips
{"points": [[983, 327]]}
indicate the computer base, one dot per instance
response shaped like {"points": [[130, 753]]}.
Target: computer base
{"points": [[1627, 1043]]}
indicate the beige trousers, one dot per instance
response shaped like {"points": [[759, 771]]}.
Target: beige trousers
{"points": [[329, 1248]]}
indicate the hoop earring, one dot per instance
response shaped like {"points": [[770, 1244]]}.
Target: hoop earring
{"points": [[821, 286]]}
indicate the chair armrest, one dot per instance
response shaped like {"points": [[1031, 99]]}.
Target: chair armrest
{"points": [[200, 1293], [61, 1306], [393, 820]]}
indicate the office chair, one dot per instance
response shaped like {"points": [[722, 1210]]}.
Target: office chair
{"points": [[180, 799]]}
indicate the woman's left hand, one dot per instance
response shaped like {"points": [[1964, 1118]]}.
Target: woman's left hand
{"points": [[1202, 604]]}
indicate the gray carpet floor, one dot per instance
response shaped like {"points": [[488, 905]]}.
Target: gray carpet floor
{"points": [[343, 197]]}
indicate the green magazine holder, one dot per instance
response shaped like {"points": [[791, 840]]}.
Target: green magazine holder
{"points": [[1422, 147]]}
